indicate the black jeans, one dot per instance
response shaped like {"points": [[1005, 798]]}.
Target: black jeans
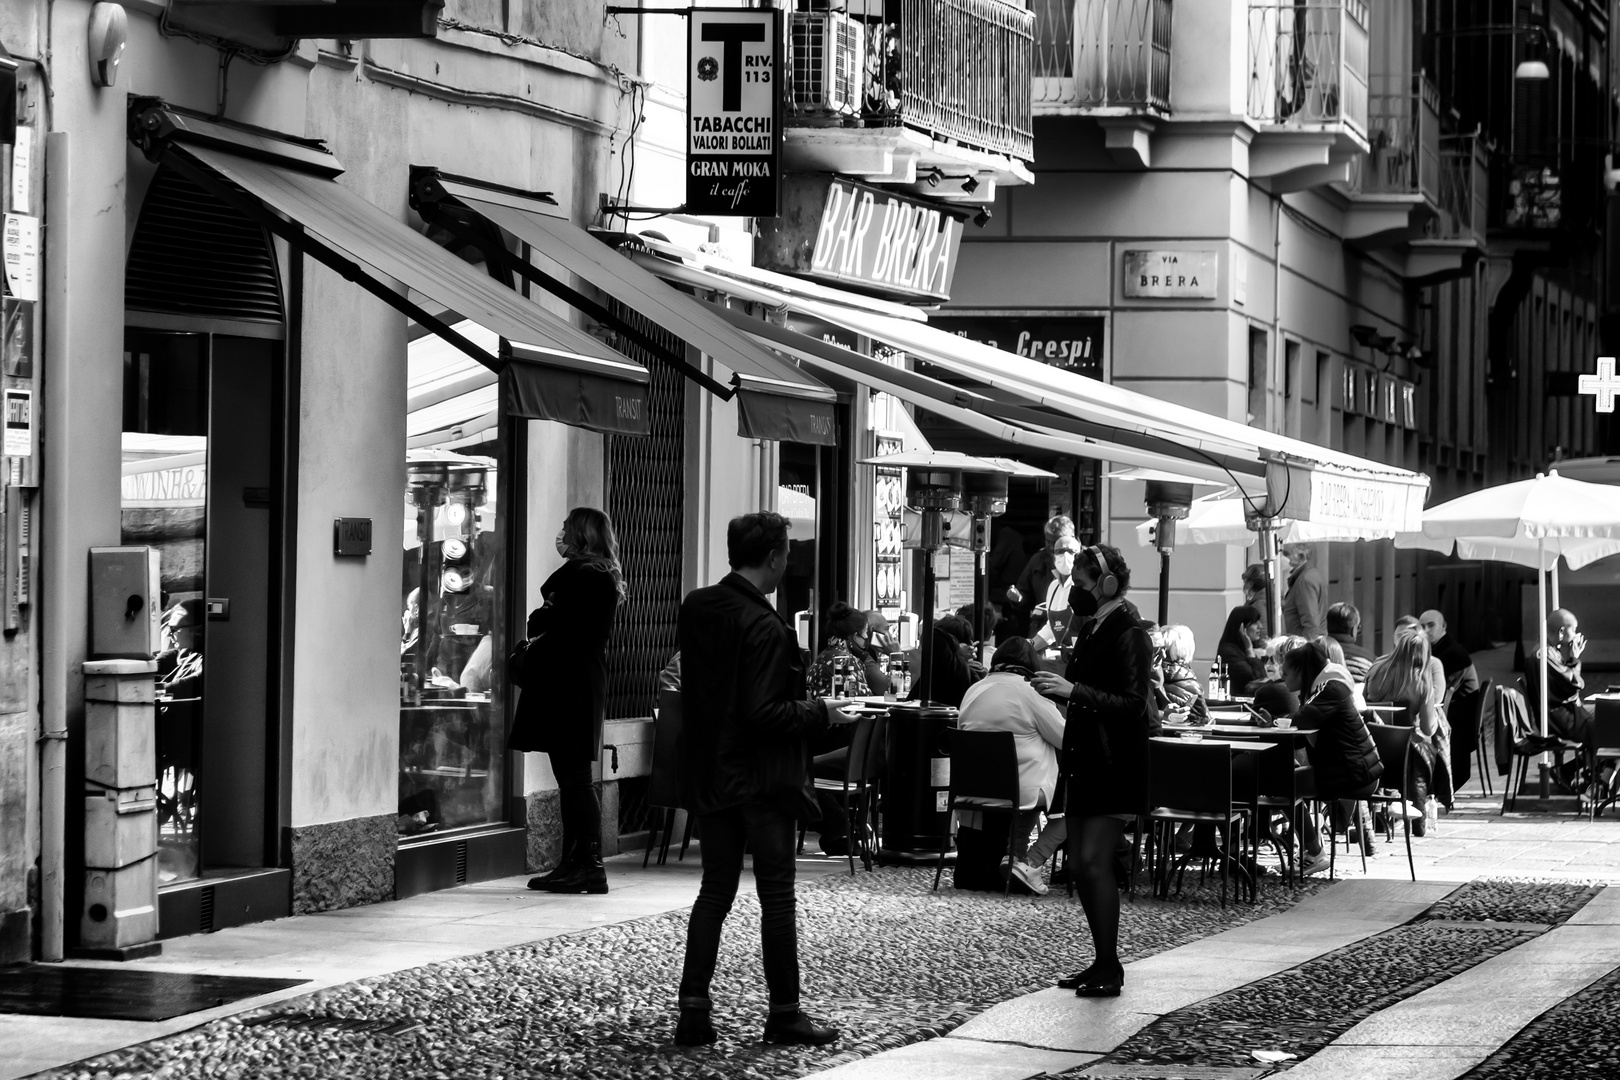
{"points": [[771, 836], [576, 798]]}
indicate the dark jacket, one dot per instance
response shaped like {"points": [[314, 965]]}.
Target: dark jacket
{"points": [[1357, 657], [949, 674], [566, 670], [1461, 675], [1032, 583], [1304, 606], [1181, 691], [745, 719], [1246, 673], [1343, 754], [1110, 719]]}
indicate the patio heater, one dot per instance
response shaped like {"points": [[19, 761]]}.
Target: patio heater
{"points": [[984, 495], [1169, 502], [934, 492]]}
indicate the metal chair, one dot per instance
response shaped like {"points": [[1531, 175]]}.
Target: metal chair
{"points": [[1192, 782], [1278, 786], [862, 767], [664, 784], [1605, 747], [1394, 745], [1524, 739], [1467, 713], [984, 776]]}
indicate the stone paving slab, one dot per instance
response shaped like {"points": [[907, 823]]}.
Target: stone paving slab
{"points": [[935, 1060], [1341, 915]]}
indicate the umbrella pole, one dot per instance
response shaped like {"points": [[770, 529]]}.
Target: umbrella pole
{"points": [[1541, 683], [1555, 602], [1269, 553], [1164, 581]]}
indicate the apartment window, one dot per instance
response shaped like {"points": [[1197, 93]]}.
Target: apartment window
{"points": [[1259, 383]]}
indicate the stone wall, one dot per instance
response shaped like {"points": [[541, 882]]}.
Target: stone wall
{"points": [[341, 864]]}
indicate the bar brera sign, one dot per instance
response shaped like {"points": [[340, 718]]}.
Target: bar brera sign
{"points": [[864, 237]]}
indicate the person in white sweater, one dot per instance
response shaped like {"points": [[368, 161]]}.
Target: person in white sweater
{"points": [[1004, 700]]}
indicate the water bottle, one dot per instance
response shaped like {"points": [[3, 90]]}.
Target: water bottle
{"points": [[1214, 693], [838, 677], [891, 668]]}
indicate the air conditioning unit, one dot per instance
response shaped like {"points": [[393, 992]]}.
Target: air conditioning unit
{"points": [[825, 57]]}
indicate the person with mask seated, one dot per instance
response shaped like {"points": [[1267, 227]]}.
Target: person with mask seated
{"points": [[1004, 700]]}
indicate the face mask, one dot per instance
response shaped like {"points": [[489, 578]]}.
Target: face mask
{"points": [[1082, 602]]}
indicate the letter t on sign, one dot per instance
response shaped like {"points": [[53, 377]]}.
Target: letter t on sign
{"points": [[733, 35], [1603, 386]]}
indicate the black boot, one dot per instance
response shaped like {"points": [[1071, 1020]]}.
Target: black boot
{"points": [[694, 1028], [565, 865], [587, 875], [797, 1029]]}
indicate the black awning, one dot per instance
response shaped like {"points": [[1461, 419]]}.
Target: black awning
{"points": [[541, 387], [371, 247], [785, 402]]}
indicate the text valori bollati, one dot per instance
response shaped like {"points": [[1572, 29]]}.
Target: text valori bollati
{"points": [[863, 236]]}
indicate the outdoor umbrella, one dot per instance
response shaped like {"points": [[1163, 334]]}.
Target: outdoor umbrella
{"points": [[1531, 523]]}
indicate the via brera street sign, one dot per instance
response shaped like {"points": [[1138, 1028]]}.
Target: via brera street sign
{"points": [[733, 112]]}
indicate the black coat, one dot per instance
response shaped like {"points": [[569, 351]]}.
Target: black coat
{"points": [[1243, 671], [746, 723], [1111, 717], [1343, 754], [566, 671]]}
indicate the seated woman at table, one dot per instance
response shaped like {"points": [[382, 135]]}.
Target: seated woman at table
{"points": [[1341, 752], [1403, 678], [1181, 688], [954, 668], [1004, 700], [847, 637], [1242, 648]]}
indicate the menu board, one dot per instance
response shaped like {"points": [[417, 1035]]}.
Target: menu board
{"points": [[888, 526]]}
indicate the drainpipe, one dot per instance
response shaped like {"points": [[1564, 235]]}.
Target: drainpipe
{"points": [[53, 708]]}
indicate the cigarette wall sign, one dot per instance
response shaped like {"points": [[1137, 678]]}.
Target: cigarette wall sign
{"points": [[733, 112]]}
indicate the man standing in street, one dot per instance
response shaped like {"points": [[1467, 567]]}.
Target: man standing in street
{"points": [[744, 771], [1461, 678], [1304, 605]]}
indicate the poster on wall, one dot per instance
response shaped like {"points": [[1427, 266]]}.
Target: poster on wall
{"points": [[733, 112], [888, 527]]}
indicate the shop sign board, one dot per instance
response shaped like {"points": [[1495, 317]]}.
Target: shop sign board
{"points": [[1359, 503], [1191, 274], [19, 441], [733, 112], [1073, 343], [20, 249], [351, 536], [851, 234]]}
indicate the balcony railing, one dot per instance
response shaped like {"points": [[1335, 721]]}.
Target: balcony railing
{"points": [[1308, 63], [1403, 129], [1102, 54], [1464, 189], [957, 70]]}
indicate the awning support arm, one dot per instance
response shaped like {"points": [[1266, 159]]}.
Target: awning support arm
{"points": [[304, 244], [574, 298]]}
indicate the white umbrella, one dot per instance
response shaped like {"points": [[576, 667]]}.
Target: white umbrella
{"points": [[1532, 523]]}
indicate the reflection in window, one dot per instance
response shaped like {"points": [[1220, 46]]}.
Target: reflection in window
{"points": [[452, 593]]}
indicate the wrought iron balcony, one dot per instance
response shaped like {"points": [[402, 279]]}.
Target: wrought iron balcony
{"points": [[1404, 136], [949, 79], [1308, 64], [1102, 57], [1464, 189]]}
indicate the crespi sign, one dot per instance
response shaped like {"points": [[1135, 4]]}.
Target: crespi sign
{"points": [[841, 231], [1371, 505], [733, 112]]}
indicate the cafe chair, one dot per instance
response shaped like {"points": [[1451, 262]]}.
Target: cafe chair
{"points": [[1192, 782], [1280, 784], [984, 776], [857, 787], [664, 784], [1522, 737], [1601, 794], [1467, 712], [1394, 744]]}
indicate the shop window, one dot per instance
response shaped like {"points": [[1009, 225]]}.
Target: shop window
{"points": [[453, 592]]}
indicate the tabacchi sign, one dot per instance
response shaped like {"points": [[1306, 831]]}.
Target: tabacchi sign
{"points": [[733, 112]]}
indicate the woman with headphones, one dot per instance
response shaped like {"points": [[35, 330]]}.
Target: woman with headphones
{"points": [[1107, 692]]}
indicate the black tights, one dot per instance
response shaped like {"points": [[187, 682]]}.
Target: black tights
{"points": [[576, 798], [1092, 843]]}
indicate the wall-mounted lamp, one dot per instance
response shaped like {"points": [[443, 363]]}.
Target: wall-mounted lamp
{"points": [[108, 32], [982, 218], [1533, 68], [970, 185], [1365, 336]]}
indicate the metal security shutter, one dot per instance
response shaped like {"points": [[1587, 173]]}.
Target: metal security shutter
{"points": [[197, 256], [647, 499]]}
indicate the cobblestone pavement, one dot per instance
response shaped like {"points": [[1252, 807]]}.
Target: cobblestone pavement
{"points": [[884, 957]]}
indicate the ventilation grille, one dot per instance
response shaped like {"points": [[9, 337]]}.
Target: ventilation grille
{"points": [[205, 910], [647, 499], [461, 862], [197, 256]]}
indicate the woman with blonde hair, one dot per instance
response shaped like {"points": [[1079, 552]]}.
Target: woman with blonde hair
{"points": [[564, 667], [1405, 678]]}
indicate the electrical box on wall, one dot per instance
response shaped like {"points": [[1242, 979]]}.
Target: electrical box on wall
{"points": [[124, 600]]}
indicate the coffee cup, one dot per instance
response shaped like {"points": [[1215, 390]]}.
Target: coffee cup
{"points": [[1285, 721]]}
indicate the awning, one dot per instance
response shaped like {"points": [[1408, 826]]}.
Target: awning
{"points": [[545, 356], [1385, 499], [776, 400]]}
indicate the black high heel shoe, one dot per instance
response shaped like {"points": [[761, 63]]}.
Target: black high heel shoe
{"points": [[1075, 979], [1102, 981]]}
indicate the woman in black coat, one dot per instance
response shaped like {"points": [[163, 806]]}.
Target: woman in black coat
{"points": [[565, 700], [1341, 752], [1111, 715], [1245, 629]]}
